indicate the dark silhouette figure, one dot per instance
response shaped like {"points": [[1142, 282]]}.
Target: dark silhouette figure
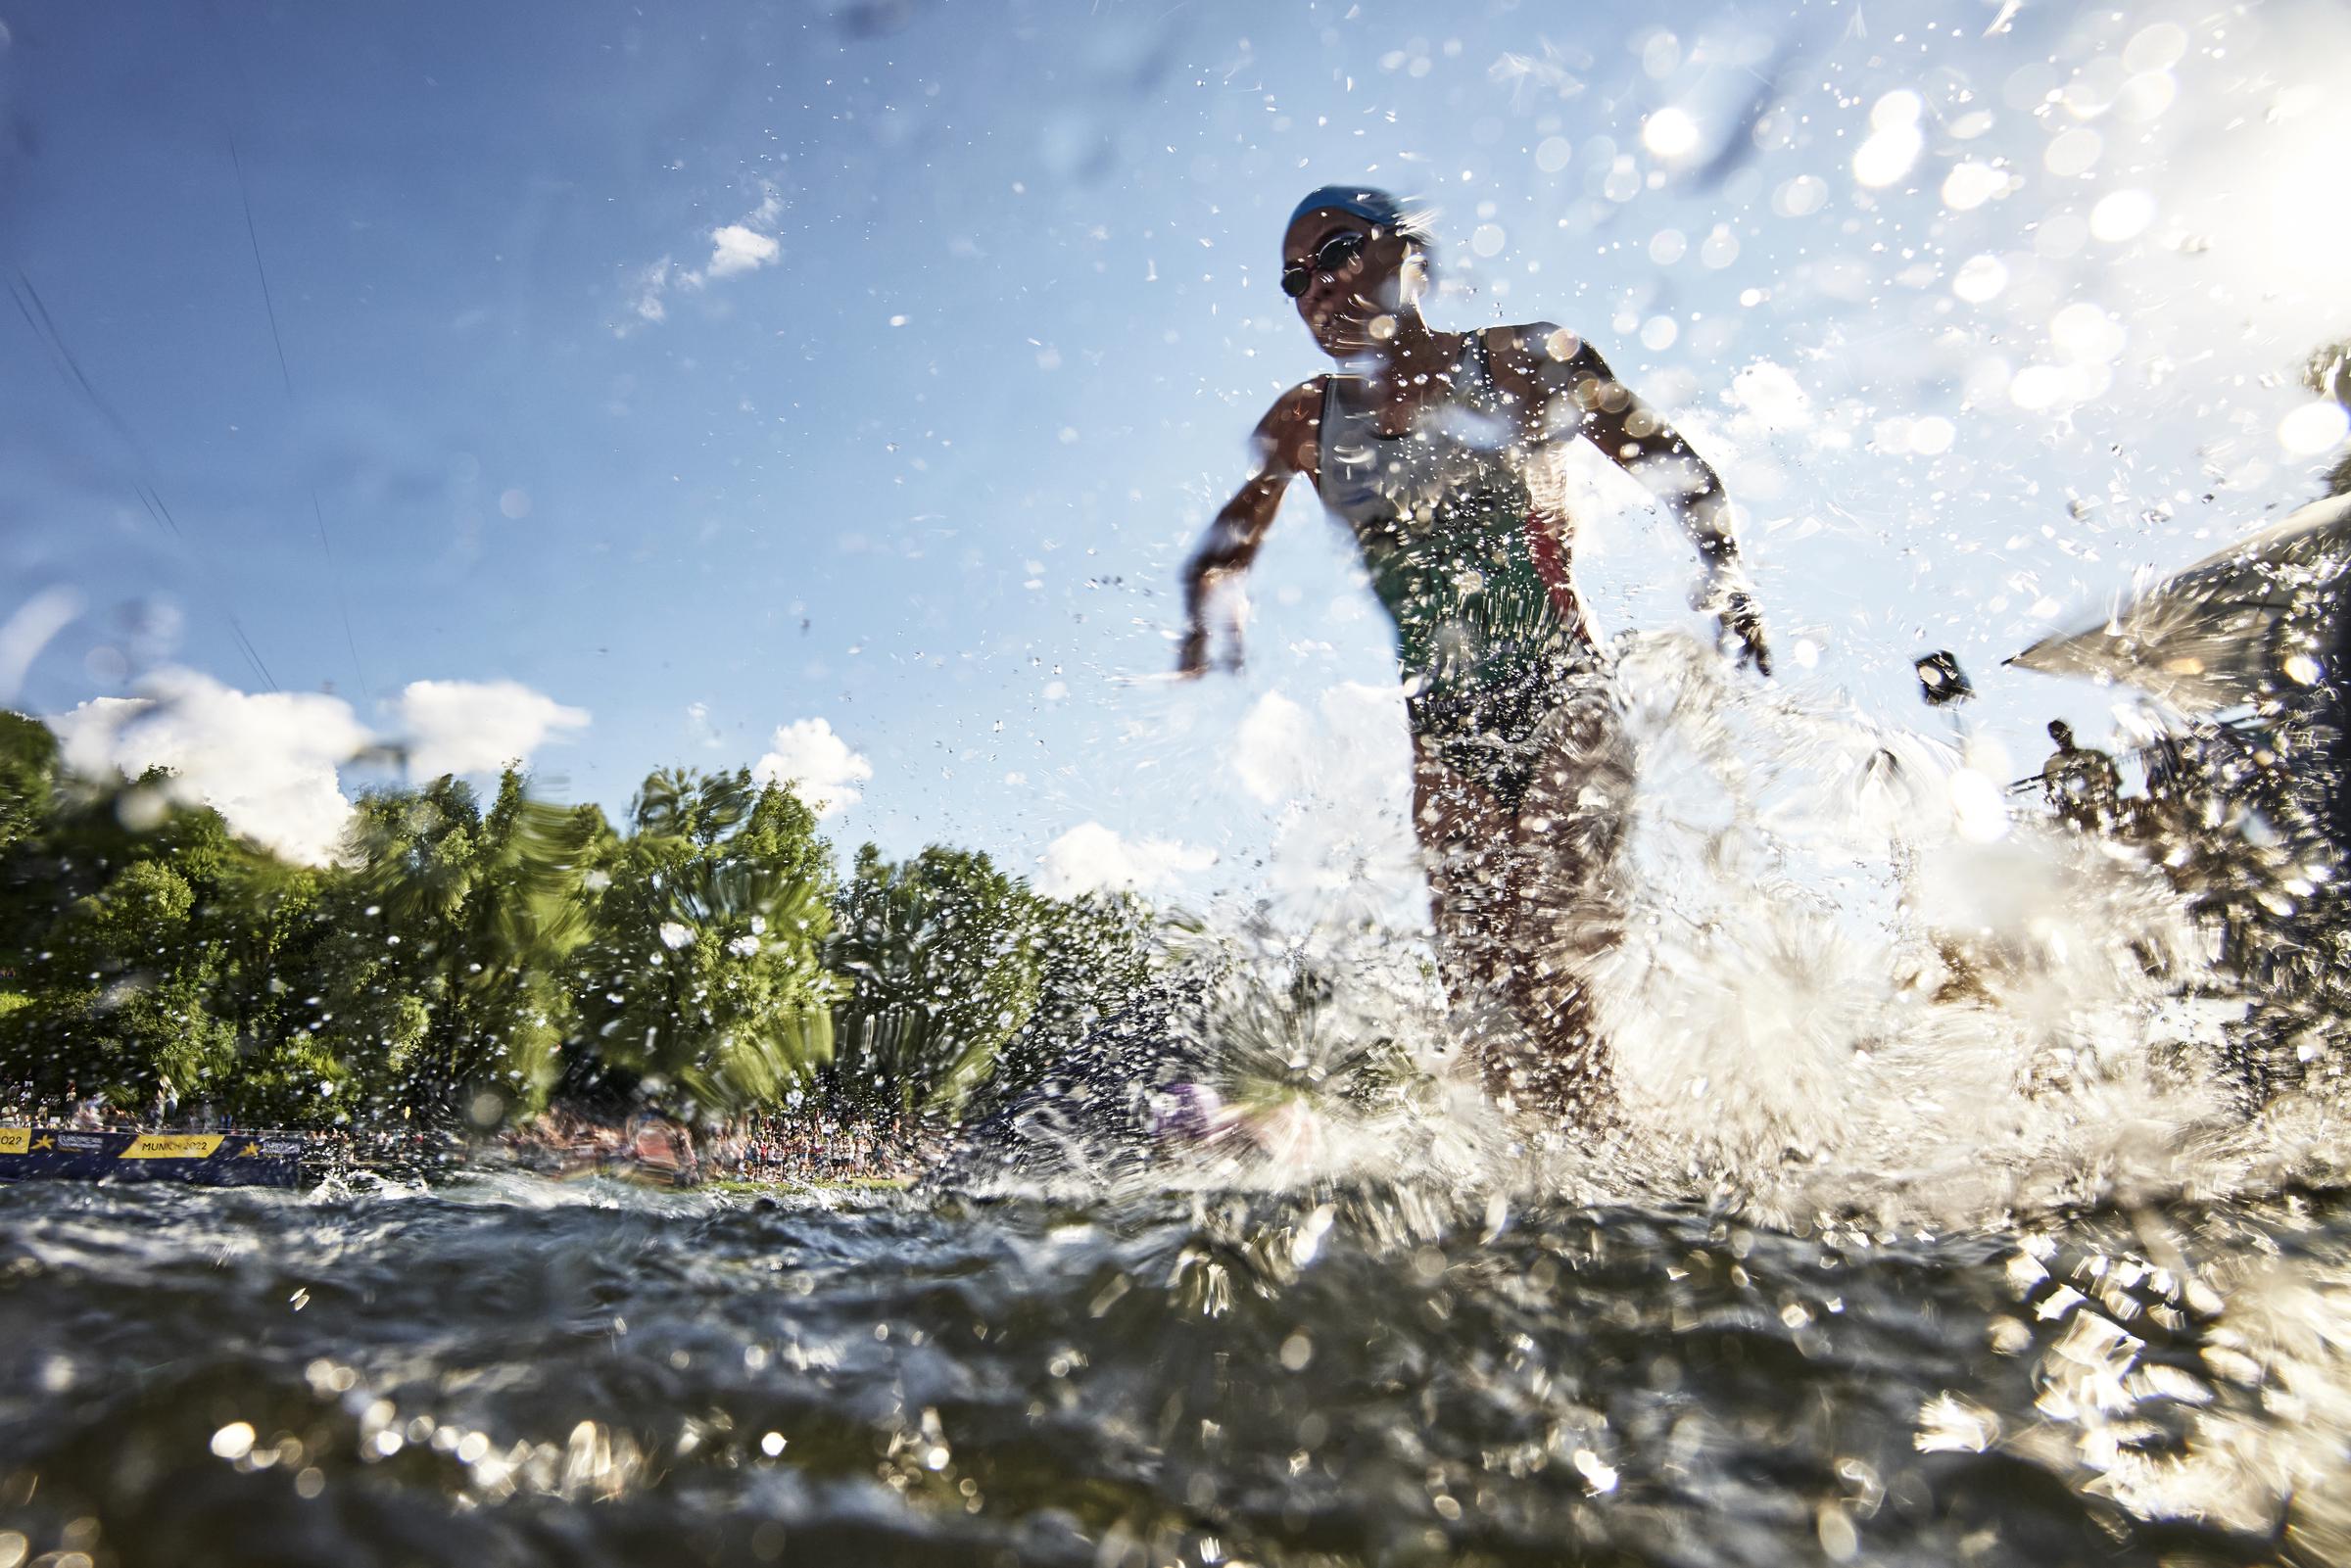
{"points": [[2081, 783]]}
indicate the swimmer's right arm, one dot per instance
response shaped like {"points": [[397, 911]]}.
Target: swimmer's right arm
{"points": [[1284, 442]]}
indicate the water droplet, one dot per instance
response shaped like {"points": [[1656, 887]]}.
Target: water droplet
{"points": [[2082, 331], [1800, 197], [2038, 387], [2156, 48], [1971, 184], [2123, 215], [1839, 1540], [2074, 152], [1671, 133], [1931, 435], [2314, 428], [1887, 153]]}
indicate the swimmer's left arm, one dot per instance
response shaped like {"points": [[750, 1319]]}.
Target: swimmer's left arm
{"points": [[1570, 387]]}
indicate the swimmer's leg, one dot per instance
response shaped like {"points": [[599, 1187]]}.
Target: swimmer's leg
{"points": [[1465, 840], [1568, 906]]}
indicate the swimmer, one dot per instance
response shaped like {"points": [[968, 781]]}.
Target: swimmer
{"points": [[1439, 452]]}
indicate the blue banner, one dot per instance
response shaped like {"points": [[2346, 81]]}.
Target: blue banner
{"points": [[205, 1158]]}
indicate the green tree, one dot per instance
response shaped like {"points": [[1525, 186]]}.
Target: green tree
{"points": [[706, 974], [28, 800], [126, 913], [134, 980], [1098, 953], [27, 777], [944, 955], [475, 915], [259, 922], [457, 959]]}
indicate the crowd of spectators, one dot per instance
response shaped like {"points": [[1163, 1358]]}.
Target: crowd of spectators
{"points": [[23, 1104], [817, 1147], [820, 1148], [808, 1146]]}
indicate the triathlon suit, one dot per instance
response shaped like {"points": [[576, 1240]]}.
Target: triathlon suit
{"points": [[1475, 580]]}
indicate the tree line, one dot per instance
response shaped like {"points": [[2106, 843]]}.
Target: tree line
{"points": [[463, 960]]}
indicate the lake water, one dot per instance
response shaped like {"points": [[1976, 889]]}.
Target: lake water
{"points": [[503, 1370]]}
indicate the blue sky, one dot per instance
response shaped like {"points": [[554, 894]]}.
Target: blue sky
{"points": [[652, 380]]}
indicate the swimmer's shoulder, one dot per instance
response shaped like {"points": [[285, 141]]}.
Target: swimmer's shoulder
{"points": [[1290, 436], [1536, 350], [1540, 362]]}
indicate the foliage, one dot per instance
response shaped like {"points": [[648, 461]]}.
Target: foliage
{"points": [[942, 952], [132, 938], [460, 962], [706, 972], [446, 943], [1099, 951], [27, 776]]}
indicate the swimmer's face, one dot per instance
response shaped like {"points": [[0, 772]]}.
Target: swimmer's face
{"points": [[1342, 304]]}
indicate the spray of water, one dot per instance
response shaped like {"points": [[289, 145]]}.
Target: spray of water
{"points": [[1851, 986], [1858, 999]]}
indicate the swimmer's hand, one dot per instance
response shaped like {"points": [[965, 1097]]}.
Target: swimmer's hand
{"points": [[1724, 592], [1191, 656], [1743, 624]]}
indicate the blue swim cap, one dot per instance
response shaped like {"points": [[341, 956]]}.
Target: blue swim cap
{"points": [[1371, 205]]}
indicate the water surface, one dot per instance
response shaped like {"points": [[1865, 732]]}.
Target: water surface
{"points": [[509, 1371]]}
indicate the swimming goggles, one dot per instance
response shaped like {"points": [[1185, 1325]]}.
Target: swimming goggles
{"points": [[1333, 254]]}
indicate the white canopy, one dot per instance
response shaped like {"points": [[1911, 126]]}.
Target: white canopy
{"points": [[2238, 626]]}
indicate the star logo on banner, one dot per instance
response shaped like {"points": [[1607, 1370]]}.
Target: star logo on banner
{"points": [[250, 1151], [44, 1141]]}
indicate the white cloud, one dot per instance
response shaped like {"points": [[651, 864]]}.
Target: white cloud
{"points": [[1274, 747], [477, 725], [264, 761], [817, 763], [1090, 857], [744, 246], [740, 250], [1343, 753], [1340, 774], [651, 283]]}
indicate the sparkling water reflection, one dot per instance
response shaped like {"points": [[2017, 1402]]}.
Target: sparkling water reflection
{"points": [[1360, 1373]]}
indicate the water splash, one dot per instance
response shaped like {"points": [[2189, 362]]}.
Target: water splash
{"points": [[1850, 983]]}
